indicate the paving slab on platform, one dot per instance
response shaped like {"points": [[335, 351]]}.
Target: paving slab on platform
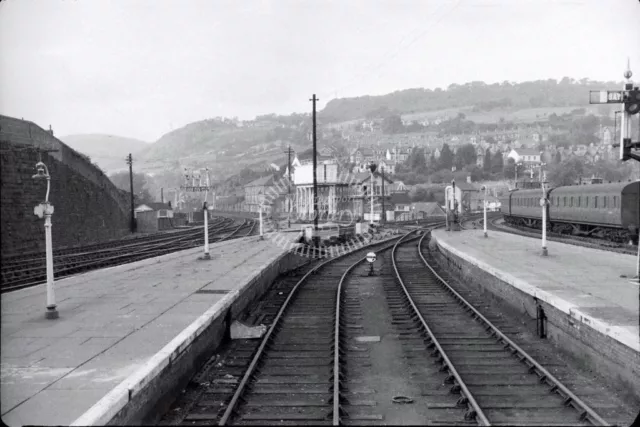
{"points": [[111, 322], [582, 282]]}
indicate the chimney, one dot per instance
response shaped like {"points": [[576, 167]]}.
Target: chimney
{"points": [[162, 195]]}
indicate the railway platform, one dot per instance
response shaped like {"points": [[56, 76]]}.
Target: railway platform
{"points": [[591, 303], [120, 329]]}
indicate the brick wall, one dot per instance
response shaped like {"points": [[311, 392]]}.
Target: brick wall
{"points": [[583, 343], [25, 132], [86, 210]]}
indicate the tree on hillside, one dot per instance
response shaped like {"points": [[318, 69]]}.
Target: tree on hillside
{"points": [[417, 161], [421, 194], [558, 158], [486, 163], [497, 163], [443, 176], [140, 192], [474, 172], [510, 169], [392, 124], [446, 157], [465, 155], [433, 163], [565, 173]]}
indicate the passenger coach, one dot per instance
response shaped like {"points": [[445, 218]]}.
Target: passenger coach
{"points": [[606, 211]]}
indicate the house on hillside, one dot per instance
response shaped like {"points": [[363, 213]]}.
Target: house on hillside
{"points": [[259, 192], [361, 155], [528, 157]]}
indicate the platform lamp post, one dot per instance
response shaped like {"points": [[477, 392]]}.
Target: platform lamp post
{"points": [[46, 209], [446, 207], [484, 187], [193, 188], [455, 206], [543, 205], [205, 209], [260, 203]]}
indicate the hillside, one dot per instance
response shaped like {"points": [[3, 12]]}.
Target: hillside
{"points": [[222, 145], [107, 151], [226, 146], [477, 96]]}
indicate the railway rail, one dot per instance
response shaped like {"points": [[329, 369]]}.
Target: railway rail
{"points": [[494, 223], [497, 380], [25, 272], [316, 366]]}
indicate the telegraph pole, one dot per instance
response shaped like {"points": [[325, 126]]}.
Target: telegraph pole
{"points": [[383, 219], [315, 179], [289, 151], [133, 219]]}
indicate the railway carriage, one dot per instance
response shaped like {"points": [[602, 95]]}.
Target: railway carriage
{"points": [[524, 208], [594, 210], [606, 211]]}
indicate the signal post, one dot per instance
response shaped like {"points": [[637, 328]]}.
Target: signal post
{"points": [[193, 188], [629, 96]]}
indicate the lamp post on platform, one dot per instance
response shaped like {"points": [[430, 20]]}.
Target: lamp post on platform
{"points": [[446, 206], [484, 187], [543, 205], [195, 189], [206, 218], [455, 206], [45, 209], [260, 203]]}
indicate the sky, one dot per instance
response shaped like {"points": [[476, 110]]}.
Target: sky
{"points": [[141, 68]]}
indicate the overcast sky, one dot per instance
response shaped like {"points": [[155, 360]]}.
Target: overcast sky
{"points": [[139, 68]]}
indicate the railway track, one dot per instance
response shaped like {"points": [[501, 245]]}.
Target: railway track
{"points": [[399, 347], [587, 242], [497, 380], [24, 272], [31, 257]]}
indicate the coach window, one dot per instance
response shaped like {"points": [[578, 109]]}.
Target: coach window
{"points": [[595, 201], [615, 201], [571, 202], [586, 203], [579, 197], [604, 202]]}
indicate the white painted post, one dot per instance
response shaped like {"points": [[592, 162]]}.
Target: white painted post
{"points": [[543, 203], [51, 312], [485, 211], [261, 235], [371, 192], [46, 210], [446, 205], [206, 231]]}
